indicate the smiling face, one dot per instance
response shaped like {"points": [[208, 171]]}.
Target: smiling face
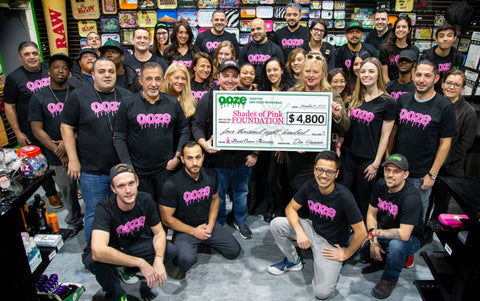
{"points": [[312, 76], [445, 39], [298, 63], [30, 58], [258, 31], [219, 21], [453, 86], [247, 75], [182, 36], [177, 81], [151, 82], [59, 72], [338, 83], [317, 32], [292, 16], [402, 29], [228, 79], [224, 53], [325, 172], [394, 177], [93, 39], [162, 36], [356, 65], [141, 40], [424, 79], [381, 22], [354, 36], [202, 70], [274, 72], [368, 75]]}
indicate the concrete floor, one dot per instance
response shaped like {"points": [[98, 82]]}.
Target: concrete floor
{"points": [[246, 278]]}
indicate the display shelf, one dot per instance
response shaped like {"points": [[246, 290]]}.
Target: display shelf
{"points": [[428, 289]]}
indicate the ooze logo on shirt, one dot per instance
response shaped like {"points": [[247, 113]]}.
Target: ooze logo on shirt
{"points": [[155, 119], [348, 64], [196, 195], [362, 115], [394, 60], [388, 207], [55, 108], [198, 94], [317, 208], [292, 43], [396, 95], [105, 107], [38, 84], [187, 64], [444, 67], [131, 226], [414, 118], [212, 46], [257, 59]]}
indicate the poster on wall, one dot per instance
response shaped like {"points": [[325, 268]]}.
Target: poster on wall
{"points": [[147, 18], [147, 4], [127, 19], [85, 27], [167, 16], [190, 15], [109, 7], [109, 24], [128, 4], [85, 9]]}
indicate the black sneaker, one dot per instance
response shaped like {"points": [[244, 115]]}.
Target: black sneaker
{"points": [[244, 230]]}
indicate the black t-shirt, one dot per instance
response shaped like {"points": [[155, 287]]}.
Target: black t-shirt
{"points": [[45, 108], [208, 42], [126, 227], [366, 122], [257, 55], [94, 119], [186, 59], [403, 207], [136, 65], [328, 52], [420, 127], [198, 89], [392, 61], [344, 56], [191, 198], [144, 133], [454, 60], [288, 40], [395, 89], [377, 41], [331, 214], [20, 85]]}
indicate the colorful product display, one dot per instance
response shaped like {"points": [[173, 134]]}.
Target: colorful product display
{"points": [[33, 163]]}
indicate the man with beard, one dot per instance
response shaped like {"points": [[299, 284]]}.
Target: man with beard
{"points": [[404, 84], [382, 31], [209, 40], [126, 77], [20, 85], [45, 109], [141, 43], [258, 51], [189, 206], [395, 224], [294, 35], [345, 54], [86, 57], [146, 128]]}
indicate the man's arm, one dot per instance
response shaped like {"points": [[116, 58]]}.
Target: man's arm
{"points": [[391, 141], [159, 244], [291, 212], [68, 137], [42, 136], [11, 113], [212, 214], [338, 253], [402, 233], [440, 156], [201, 232]]}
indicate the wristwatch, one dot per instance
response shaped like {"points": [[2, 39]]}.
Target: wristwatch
{"points": [[434, 177]]}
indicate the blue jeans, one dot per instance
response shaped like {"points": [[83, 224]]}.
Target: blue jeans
{"points": [[237, 179], [424, 194], [396, 253], [94, 189]]}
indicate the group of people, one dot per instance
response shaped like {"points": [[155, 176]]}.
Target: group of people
{"points": [[136, 132]]}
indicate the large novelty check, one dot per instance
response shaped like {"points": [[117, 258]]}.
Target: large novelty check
{"points": [[289, 121]]}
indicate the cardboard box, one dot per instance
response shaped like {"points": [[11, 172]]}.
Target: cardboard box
{"points": [[72, 297]]}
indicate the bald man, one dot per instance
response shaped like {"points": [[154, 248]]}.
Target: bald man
{"points": [[258, 51]]}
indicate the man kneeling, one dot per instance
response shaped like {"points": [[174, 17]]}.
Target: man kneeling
{"points": [[332, 211], [189, 205], [127, 232]]}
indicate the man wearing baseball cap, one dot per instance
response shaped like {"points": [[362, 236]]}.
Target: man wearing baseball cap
{"points": [[394, 223], [122, 235], [232, 166], [85, 59], [345, 54], [127, 77], [404, 84]]}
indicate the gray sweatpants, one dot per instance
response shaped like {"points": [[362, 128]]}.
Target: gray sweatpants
{"points": [[68, 188], [325, 271]]}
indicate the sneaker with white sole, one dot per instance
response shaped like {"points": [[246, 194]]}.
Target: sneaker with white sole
{"points": [[244, 230], [284, 266], [126, 278]]}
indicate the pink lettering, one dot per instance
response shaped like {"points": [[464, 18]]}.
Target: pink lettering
{"points": [[396, 95], [187, 64], [212, 46], [38, 84], [131, 226], [362, 115], [292, 43], [55, 109], [416, 119], [444, 68], [348, 63], [105, 107], [391, 208], [198, 94], [322, 210], [257, 59], [394, 60], [196, 195], [153, 119]]}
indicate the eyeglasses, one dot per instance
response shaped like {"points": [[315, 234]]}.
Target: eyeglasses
{"points": [[317, 57], [162, 33], [455, 85], [316, 30], [328, 172]]}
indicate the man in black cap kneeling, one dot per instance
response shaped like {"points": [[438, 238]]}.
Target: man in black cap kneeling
{"points": [[395, 223], [127, 232]]}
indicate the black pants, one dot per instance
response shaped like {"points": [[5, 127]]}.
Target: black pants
{"points": [[107, 274], [152, 183]]}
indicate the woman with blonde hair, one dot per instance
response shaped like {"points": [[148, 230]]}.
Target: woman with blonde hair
{"points": [[372, 116], [225, 51], [177, 84]]}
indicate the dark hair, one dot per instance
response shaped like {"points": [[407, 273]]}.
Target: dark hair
{"points": [[445, 27], [329, 156], [150, 65], [100, 59], [390, 43], [350, 75], [156, 44], [286, 81], [315, 22], [219, 11], [454, 72], [331, 75], [190, 144], [381, 11], [196, 57], [172, 50], [26, 44], [429, 63]]}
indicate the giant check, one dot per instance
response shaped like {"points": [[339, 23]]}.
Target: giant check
{"points": [[289, 121]]}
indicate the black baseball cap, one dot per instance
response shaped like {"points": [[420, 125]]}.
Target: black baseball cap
{"points": [[354, 24], [86, 49], [111, 44], [61, 56], [121, 168], [408, 55], [228, 64], [160, 25], [397, 159]]}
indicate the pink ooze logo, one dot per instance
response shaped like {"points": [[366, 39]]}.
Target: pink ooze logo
{"points": [[388, 207], [292, 43], [131, 226], [212, 46], [105, 107], [196, 195], [55, 108], [257, 59], [414, 118], [362, 115], [198, 94], [317, 208], [38, 84], [153, 119]]}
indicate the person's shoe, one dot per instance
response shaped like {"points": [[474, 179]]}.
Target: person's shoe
{"points": [[383, 289], [268, 216], [284, 266], [73, 232], [126, 278], [55, 202], [244, 230], [409, 262]]}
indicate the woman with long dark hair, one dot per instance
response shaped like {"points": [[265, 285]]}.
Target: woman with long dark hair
{"points": [[275, 77], [182, 48], [160, 40], [400, 39], [352, 74], [201, 74]]}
